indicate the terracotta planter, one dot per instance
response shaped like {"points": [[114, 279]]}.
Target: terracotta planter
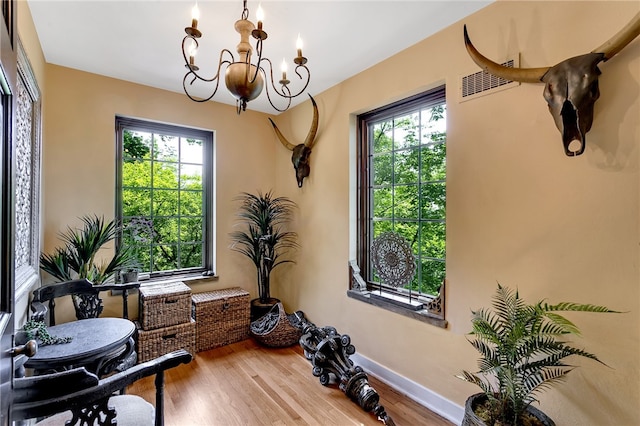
{"points": [[470, 418], [259, 309]]}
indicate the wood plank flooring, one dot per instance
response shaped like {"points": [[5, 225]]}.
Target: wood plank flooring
{"points": [[247, 384]]}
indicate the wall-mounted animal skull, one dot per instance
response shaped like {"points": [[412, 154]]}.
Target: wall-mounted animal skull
{"points": [[301, 152], [571, 87]]}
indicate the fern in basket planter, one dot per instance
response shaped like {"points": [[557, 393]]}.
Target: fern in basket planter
{"points": [[522, 350]]}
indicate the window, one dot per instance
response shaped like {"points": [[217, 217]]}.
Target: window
{"points": [[165, 196], [402, 189]]}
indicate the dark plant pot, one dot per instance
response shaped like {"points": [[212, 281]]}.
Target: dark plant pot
{"points": [[259, 309], [130, 277], [471, 419]]}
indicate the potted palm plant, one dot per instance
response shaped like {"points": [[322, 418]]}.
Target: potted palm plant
{"points": [[522, 349], [264, 240], [77, 260]]}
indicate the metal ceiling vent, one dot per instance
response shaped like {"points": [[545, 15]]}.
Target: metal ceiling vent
{"points": [[482, 83]]}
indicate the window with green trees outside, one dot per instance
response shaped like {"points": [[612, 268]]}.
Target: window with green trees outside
{"points": [[402, 180], [164, 196]]}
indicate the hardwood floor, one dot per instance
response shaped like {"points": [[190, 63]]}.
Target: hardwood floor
{"points": [[247, 384]]}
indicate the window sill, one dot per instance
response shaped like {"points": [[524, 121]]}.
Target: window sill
{"points": [[185, 278], [420, 315]]}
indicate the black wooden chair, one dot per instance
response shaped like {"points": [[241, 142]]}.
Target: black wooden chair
{"points": [[90, 294], [82, 398]]}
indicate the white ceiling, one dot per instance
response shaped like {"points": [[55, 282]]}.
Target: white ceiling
{"points": [[140, 41]]}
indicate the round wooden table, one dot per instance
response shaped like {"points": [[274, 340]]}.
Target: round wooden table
{"points": [[99, 344]]}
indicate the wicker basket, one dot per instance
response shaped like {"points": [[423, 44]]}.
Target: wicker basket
{"points": [[154, 343], [222, 317], [163, 305], [277, 329]]}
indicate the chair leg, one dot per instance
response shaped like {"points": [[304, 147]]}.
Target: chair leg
{"points": [[160, 398]]}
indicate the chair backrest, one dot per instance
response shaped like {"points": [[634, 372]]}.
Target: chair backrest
{"points": [[83, 288], [86, 397]]}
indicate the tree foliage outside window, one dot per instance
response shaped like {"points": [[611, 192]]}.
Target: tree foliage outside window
{"points": [[403, 148], [163, 200]]}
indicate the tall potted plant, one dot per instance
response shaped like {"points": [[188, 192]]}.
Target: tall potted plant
{"points": [[264, 240], [522, 349], [77, 260]]}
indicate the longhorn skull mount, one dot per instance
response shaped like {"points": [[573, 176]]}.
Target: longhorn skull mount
{"points": [[301, 152], [571, 87]]}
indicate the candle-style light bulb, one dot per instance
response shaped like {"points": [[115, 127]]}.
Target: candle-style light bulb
{"points": [[195, 15], [299, 46], [283, 67], [260, 16], [193, 50]]}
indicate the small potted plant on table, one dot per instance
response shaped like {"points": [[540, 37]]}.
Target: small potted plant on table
{"points": [[522, 349]]}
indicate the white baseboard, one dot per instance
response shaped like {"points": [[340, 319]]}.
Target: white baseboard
{"points": [[422, 395]]}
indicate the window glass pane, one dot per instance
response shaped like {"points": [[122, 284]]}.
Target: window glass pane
{"points": [[165, 175], [406, 166], [408, 231], [434, 127], [165, 257], [433, 201], [433, 273], [167, 228], [136, 173], [190, 176], [380, 227], [382, 203], [165, 148], [138, 230], [191, 151], [190, 255], [136, 146], [382, 134], [433, 163], [383, 169], [165, 203], [136, 202], [433, 239], [405, 131], [191, 203], [191, 230], [406, 201], [143, 255]]}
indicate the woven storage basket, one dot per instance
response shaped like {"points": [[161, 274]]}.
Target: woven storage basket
{"points": [[154, 343], [222, 317], [163, 305], [276, 328]]}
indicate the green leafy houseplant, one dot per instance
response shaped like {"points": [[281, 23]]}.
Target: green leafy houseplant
{"points": [[263, 238], [77, 258], [522, 350]]}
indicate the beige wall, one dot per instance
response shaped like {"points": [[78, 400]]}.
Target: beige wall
{"points": [[519, 211], [79, 162]]}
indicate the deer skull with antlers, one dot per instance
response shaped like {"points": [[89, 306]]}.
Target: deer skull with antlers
{"points": [[301, 152], [571, 87]]}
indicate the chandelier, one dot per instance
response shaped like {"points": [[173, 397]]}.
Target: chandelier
{"points": [[243, 78]]}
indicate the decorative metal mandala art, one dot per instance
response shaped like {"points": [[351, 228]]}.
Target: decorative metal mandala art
{"points": [[393, 259]]}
